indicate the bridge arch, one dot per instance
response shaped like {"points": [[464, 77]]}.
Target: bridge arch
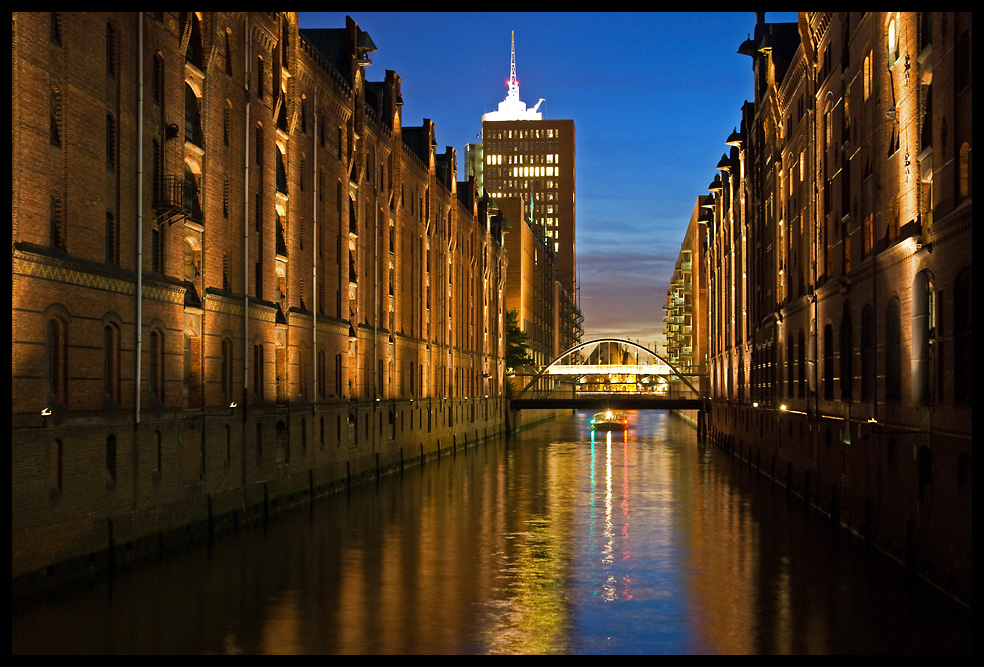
{"points": [[572, 362]]}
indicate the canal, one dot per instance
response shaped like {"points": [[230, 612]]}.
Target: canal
{"points": [[550, 542]]}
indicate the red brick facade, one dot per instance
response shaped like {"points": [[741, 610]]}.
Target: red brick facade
{"points": [[839, 257], [236, 276]]}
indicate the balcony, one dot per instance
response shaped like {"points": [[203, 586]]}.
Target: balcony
{"points": [[170, 200]]}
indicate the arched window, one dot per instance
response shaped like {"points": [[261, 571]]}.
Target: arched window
{"points": [[846, 355], [228, 52], [281, 171], [157, 79], [157, 365], [828, 361], [867, 353], [924, 465], [893, 42], [195, 51], [923, 338], [962, 338], [227, 122], [192, 196], [112, 239], [55, 467], [110, 142], [55, 117], [893, 352], [111, 459], [110, 50], [157, 453], [801, 342], [867, 75], [57, 359], [193, 116], [963, 180], [111, 363], [226, 370]]}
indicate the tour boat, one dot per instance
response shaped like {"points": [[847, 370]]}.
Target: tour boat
{"points": [[610, 421]]}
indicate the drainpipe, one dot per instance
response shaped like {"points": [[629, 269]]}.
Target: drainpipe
{"points": [[139, 323]]}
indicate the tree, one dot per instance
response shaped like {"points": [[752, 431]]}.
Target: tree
{"points": [[517, 343]]}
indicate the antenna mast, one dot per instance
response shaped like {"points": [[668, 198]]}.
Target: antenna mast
{"points": [[513, 84]]}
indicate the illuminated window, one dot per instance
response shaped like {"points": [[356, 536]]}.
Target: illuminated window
{"points": [[893, 43], [867, 75]]}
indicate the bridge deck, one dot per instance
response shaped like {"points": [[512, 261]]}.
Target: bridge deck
{"points": [[608, 402]]}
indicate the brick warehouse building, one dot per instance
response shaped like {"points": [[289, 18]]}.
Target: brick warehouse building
{"points": [[839, 261], [237, 278]]}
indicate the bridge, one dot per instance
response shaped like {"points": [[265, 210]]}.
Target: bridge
{"points": [[610, 373]]}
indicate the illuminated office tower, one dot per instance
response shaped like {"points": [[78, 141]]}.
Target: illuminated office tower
{"points": [[530, 157]]}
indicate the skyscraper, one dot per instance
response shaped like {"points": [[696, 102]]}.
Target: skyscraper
{"points": [[532, 158]]}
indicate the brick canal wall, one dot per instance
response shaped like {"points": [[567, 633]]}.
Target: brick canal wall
{"points": [[176, 480], [865, 478]]}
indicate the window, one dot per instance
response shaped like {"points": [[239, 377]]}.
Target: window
{"points": [[55, 117], [57, 358], [258, 372], [55, 35], [193, 117], [828, 361], [192, 200], [157, 453], [867, 75], [228, 53], [111, 363], [259, 78], [226, 122], [846, 355], [112, 239], [226, 370], [157, 79], [893, 42], [195, 52], [962, 338], [893, 352], [157, 365], [156, 251], [110, 50], [111, 460], [963, 180], [281, 172], [56, 222], [923, 347], [55, 466], [110, 142], [867, 354]]}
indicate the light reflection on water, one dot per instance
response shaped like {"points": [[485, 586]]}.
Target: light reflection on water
{"points": [[557, 541]]}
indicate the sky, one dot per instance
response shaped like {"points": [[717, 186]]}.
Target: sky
{"points": [[653, 97]]}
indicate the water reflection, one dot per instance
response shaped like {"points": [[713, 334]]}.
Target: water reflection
{"points": [[558, 541]]}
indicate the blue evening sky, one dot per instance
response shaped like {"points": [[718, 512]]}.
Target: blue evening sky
{"points": [[653, 97]]}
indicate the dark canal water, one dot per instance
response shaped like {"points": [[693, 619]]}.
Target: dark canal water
{"points": [[550, 542]]}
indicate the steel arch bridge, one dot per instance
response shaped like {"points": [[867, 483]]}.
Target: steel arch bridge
{"points": [[610, 373]]}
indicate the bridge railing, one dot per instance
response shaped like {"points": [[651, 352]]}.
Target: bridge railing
{"points": [[668, 388]]}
